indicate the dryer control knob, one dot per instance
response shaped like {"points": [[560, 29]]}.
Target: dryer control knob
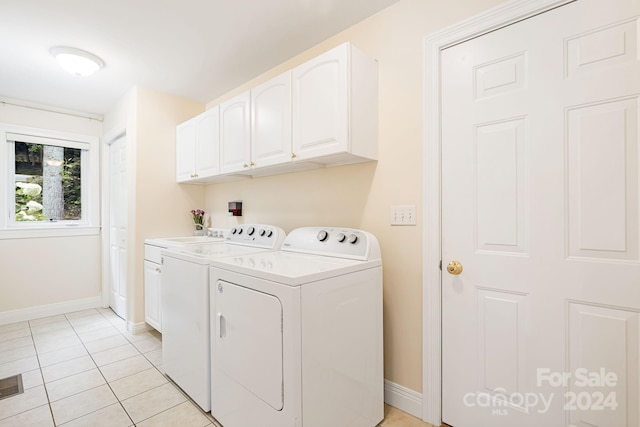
{"points": [[262, 232], [251, 230], [269, 233], [233, 230], [322, 235], [341, 237], [353, 238]]}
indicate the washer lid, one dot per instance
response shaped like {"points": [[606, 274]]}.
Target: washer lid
{"points": [[172, 242], [202, 253], [291, 268]]}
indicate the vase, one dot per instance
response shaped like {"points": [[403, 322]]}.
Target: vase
{"points": [[199, 230]]}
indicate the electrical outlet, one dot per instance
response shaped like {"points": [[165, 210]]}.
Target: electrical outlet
{"points": [[403, 215]]}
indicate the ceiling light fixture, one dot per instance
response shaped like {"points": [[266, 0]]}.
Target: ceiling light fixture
{"points": [[76, 61]]}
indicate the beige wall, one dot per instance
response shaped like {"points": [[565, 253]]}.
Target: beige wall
{"points": [[162, 206], [42, 271], [361, 195], [158, 206]]}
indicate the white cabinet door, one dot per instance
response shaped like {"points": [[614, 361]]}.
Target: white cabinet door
{"points": [[235, 134], [185, 151], [271, 122], [320, 105], [152, 298], [198, 147], [207, 136]]}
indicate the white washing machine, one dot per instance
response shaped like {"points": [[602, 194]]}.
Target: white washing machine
{"points": [[297, 333], [185, 307]]}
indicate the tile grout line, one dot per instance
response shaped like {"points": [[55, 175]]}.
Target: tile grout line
{"points": [[153, 366], [96, 367], [44, 386], [100, 371], [89, 354]]}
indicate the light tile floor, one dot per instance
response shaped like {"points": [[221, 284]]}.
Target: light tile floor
{"points": [[84, 369]]}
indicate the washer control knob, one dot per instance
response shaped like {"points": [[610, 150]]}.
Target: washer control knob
{"points": [[239, 230], [262, 232], [353, 238], [251, 230], [234, 230], [322, 235], [341, 237], [269, 233]]}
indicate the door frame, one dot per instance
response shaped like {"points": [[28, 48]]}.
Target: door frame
{"points": [[492, 19]]}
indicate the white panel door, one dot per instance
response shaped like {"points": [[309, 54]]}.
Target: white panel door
{"points": [[235, 134], [321, 105], [540, 206], [271, 122], [118, 220]]}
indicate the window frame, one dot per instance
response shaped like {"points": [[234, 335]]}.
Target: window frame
{"points": [[89, 224]]}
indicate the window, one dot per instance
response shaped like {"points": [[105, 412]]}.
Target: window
{"points": [[52, 183], [48, 182]]}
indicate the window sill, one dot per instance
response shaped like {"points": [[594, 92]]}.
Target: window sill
{"points": [[35, 233]]}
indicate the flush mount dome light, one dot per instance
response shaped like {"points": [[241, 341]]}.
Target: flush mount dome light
{"points": [[76, 61]]}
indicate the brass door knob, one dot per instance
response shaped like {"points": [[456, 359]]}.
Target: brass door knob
{"points": [[454, 267]]}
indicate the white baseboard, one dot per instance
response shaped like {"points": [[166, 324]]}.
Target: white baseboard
{"points": [[30, 313], [403, 398], [137, 328]]}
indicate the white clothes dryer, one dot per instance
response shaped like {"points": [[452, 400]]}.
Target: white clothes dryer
{"points": [[186, 357], [297, 333]]}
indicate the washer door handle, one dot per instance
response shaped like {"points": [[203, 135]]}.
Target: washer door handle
{"points": [[222, 326]]}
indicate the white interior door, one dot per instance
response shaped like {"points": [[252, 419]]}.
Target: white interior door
{"points": [[118, 193], [540, 207]]}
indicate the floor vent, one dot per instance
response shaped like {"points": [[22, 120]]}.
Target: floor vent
{"points": [[11, 386]]}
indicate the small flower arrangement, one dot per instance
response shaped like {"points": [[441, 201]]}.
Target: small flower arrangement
{"points": [[198, 218]]}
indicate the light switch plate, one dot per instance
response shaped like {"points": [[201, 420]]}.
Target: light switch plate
{"points": [[403, 215]]}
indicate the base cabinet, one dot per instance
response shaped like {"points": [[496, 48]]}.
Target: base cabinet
{"points": [[152, 297]]}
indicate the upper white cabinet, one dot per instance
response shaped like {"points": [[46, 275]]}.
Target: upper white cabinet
{"points": [[186, 151], [323, 112], [198, 147], [335, 107], [235, 134], [271, 122]]}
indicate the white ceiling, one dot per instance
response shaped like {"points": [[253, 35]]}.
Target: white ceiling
{"points": [[197, 49]]}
